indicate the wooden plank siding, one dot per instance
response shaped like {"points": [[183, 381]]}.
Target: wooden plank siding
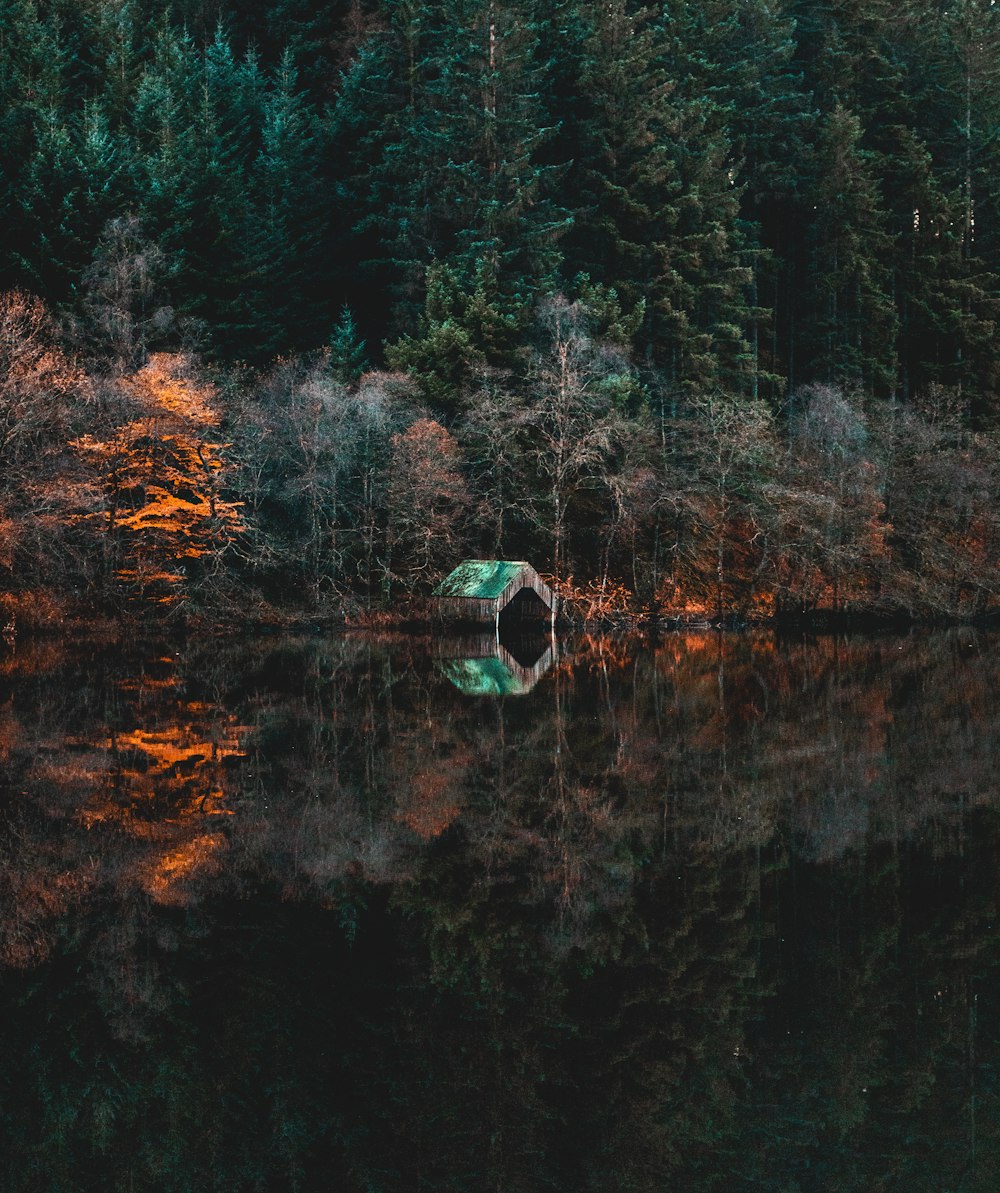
{"points": [[467, 608]]}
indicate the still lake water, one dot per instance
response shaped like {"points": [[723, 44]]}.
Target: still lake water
{"points": [[718, 912]]}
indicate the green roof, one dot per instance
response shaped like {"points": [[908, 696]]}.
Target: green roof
{"points": [[481, 579], [482, 677]]}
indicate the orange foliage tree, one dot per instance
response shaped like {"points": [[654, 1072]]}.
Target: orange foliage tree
{"points": [[160, 478], [724, 520]]}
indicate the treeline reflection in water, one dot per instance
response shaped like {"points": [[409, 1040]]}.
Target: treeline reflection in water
{"points": [[716, 912]]}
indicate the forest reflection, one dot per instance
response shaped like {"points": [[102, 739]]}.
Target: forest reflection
{"points": [[711, 912]]}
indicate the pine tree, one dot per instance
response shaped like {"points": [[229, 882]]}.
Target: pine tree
{"points": [[852, 318], [38, 182], [660, 219], [119, 42], [200, 114], [743, 62], [973, 33], [347, 350], [908, 71], [444, 115], [286, 296]]}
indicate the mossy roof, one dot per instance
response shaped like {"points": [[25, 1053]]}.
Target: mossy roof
{"points": [[480, 579]]}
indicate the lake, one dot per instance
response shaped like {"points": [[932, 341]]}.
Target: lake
{"points": [[709, 912]]}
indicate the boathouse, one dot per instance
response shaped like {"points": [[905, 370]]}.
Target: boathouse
{"points": [[481, 590]]}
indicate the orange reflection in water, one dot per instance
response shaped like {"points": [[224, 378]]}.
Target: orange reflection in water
{"points": [[165, 786], [164, 876]]}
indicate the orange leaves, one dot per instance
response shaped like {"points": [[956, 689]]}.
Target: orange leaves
{"points": [[162, 482], [167, 385], [431, 804], [164, 876], [166, 790], [603, 601], [164, 511]]}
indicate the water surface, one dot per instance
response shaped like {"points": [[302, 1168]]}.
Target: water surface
{"points": [[716, 912]]}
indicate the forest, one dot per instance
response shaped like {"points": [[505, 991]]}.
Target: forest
{"points": [[694, 305]]}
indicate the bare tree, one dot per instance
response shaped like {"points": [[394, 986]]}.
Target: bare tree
{"points": [[730, 446], [942, 498], [314, 460], [125, 311], [570, 424], [35, 380], [831, 507]]}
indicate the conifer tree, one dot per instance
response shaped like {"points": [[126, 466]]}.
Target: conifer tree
{"points": [[347, 350], [448, 151], [852, 317], [661, 204], [286, 297]]}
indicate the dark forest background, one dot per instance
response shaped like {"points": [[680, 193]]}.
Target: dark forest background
{"points": [[694, 304]]}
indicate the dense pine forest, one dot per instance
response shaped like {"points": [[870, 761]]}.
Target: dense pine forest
{"points": [[694, 304]]}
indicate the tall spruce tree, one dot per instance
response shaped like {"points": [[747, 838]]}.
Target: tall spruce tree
{"points": [[444, 114], [741, 55], [201, 113], [973, 32], [288, 305], [660, 217], [852, 320]]}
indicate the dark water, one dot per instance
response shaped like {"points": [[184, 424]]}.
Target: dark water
{"points": [[717, 913]]}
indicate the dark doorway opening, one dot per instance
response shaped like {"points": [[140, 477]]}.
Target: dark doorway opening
{"points": [[525, 609]]}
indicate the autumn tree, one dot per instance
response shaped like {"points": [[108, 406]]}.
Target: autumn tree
{"points": [[571, 423], [427, 500], [124, 308], [313, 456], [160, 501], [37, 385], [496, 462], [35, 376], [942, 489]]}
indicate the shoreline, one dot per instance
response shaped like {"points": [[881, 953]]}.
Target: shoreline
{"points": [[31, 617]]}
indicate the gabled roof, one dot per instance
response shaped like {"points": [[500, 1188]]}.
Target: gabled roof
{"points": [[480, 579]]}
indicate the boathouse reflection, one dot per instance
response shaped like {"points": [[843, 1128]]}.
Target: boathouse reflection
{"points": [[485, 665]]}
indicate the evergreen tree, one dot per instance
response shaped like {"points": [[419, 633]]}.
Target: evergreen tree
{"points": [[852, 320], [286, 297], [741, 55], [202, 114], [120, 43], [973, 31], [36, 174], [661, 204], [72, 183], [347, 350], [445, 117]]}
